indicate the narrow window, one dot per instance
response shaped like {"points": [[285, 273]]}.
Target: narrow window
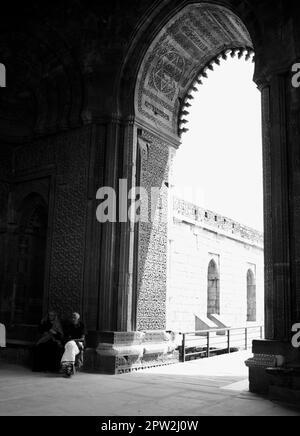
{"points": [[251, 297], [213, 289]]}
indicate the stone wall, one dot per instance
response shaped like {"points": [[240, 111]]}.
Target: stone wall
{"points": [[5, 173], [56, 169], [198, 236]]}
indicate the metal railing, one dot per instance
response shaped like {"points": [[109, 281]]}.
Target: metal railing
{"points": [[205, 343]]}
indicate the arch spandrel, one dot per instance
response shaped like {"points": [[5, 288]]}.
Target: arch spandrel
{"points": [[191, 40]]}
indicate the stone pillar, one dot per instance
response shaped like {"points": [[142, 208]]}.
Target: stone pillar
{"points": [[133, 280], [277, 209], [281, 128], [152, 235]]}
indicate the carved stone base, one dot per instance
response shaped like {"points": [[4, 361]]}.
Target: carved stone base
{"points": [[123, 352], [273, 370]]}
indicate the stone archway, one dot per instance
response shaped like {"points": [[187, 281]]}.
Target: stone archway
{"points": [[191, 42], [133, 90]]}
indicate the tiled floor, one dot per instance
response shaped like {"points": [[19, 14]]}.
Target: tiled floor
{"points": [[216, 386]]}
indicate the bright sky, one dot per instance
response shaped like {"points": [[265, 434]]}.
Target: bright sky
{"points": [[219, 164]]}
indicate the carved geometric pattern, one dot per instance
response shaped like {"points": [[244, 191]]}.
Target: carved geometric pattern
{"points": [[192, 39], [262, 361], [69, 228], [167, 73], [152, 270], [68, 155]]}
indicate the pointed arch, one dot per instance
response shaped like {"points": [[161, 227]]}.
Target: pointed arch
{"points": [[213, 289], [251, 296]]}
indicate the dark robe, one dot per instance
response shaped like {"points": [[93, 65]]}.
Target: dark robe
{"points": [[47, 355], [74, 332]]}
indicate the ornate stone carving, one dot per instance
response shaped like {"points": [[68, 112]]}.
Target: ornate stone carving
{"points": [[151, 298], [68, 156], [167, 72], [192, 39], [262, 361], [127, 352]]}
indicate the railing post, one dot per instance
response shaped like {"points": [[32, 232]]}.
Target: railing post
{"points": [[228, 341], [208, 344], [183, 348], [246, 338]]}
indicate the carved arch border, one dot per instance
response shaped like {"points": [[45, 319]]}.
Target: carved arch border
{"points": [[147, 32]]}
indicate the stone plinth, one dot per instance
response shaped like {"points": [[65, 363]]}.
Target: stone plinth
{"points": [[274, 369], [121, 352]]}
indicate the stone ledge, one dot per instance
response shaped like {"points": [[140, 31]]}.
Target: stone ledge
{"points": [[263, 361]]}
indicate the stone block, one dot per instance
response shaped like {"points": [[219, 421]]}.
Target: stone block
{"points": [[273, 370], [126, 352]]}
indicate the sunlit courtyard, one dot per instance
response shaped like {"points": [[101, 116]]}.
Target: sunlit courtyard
{"points": [[215, 386]]}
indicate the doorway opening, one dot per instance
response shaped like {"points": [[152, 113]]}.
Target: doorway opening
{"points": [[218, 204], [191, 47], [32, 246]]}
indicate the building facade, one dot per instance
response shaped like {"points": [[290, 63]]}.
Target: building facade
{"points": [[216, 267]]}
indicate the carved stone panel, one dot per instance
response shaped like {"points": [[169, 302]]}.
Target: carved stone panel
{"points": [[192, 39], [67, 157], [152, 256]]}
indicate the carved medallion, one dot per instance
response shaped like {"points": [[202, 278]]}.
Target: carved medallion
{"points": [[167, 73]]}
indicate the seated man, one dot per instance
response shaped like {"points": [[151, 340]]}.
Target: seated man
{"points": [[74, 336], [2, 336]]}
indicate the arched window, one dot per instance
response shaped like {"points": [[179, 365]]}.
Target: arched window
{"points": [[251, 296], [213, 289], [32, 243]]}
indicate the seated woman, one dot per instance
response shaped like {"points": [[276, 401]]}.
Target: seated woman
{"points": [[48, 349], [74, 338]]}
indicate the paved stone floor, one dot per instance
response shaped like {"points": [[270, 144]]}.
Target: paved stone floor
{"points": [[215, 386]]}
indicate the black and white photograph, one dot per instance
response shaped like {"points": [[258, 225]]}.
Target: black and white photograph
{"points": [[150, 212]]}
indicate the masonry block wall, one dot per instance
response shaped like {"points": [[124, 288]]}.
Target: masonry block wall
{"points": [[197, 237]]}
